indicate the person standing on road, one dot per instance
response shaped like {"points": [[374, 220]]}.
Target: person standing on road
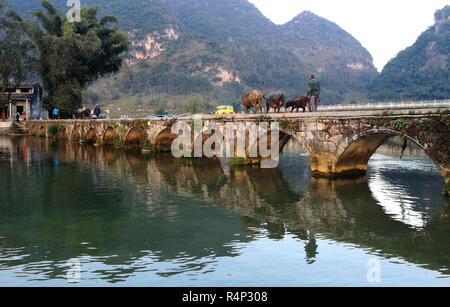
{"points": [[56, 113], [313, 93], [97, 111]]}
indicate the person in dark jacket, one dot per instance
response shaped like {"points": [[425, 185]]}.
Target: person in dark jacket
{"points": [[313, 93], [97, 111]]}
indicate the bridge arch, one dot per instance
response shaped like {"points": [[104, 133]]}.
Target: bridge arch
{"points": [[354, 154], [75, 135], [109, 136], [62, 135], [135, 137], [41, 131], [90, 136], [164, 139], [284, 137]]}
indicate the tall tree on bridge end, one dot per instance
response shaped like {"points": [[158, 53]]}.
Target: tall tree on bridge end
{"points": [[75, 53], [16, 54]]}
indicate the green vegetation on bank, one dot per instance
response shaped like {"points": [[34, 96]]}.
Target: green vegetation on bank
{"points": [[74, 54]]}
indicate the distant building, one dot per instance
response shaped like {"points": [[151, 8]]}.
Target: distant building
{"points": [[26, 98]]}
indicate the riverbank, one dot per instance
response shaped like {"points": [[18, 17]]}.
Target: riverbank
{"points": [[4, 127], [12, 129]]}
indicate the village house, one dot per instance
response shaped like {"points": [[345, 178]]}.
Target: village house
{"points": [[26, 98]]}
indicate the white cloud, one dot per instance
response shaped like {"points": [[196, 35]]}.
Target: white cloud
{"points": [[384, 27]]}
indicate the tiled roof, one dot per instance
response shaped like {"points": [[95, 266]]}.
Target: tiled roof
{"points": [[21, 97], [27, 85]]}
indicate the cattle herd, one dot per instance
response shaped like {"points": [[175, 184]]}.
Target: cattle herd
{"points": [[83, 113], [252, 99], [276, 101]]}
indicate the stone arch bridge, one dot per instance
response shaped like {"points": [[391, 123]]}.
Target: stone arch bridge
{"points": [[338, 144]]}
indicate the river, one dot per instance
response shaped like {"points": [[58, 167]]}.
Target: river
{"points": [[127, 219]]}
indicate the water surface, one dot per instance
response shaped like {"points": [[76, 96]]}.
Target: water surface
{"points": [[134, 220]]}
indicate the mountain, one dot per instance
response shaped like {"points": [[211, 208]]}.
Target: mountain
{"points": [[219, 49], [337, 57], [422, 70]]}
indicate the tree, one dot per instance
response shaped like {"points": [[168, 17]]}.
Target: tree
{"points": [[74, 54], [16, 54]]}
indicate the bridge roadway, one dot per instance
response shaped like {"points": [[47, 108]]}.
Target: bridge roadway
{"points": [[321, 114]]}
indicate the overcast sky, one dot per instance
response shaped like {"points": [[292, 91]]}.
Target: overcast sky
{"points": [[384, 27]]}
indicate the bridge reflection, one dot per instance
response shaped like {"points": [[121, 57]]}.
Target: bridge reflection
{"points": [[270, 199]]}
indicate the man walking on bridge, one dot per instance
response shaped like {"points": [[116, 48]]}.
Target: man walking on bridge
{"points": [[97, 112], [313, 93]]}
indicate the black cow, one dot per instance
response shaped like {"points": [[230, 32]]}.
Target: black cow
{"points": [[82, 113], [297, 103], [275, 101]]}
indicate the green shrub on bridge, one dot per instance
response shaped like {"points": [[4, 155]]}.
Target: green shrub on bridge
{"points": [[400, 124], [53, 130]]}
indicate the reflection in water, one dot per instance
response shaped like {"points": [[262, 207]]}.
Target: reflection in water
{"points": [[139, 219], [405, 196]]}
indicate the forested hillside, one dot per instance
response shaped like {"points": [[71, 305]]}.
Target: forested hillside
{"points": [[422, 70], [215, 50]]}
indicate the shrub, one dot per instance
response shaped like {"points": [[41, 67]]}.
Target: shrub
{"points": [[117, 142], [263, 118], [400, 124], [238, 160], [53, 130], [148, 146]]}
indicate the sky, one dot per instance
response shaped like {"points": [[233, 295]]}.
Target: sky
{"points": [[383, 27]]}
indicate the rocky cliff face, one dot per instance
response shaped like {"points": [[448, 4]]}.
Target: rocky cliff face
{"points": [[151, 46]]}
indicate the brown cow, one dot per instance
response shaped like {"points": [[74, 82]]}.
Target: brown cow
{"points": [[253, 100], [299, 102]]}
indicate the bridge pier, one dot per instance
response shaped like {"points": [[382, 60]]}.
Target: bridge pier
{"points": [[446, 175]]}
